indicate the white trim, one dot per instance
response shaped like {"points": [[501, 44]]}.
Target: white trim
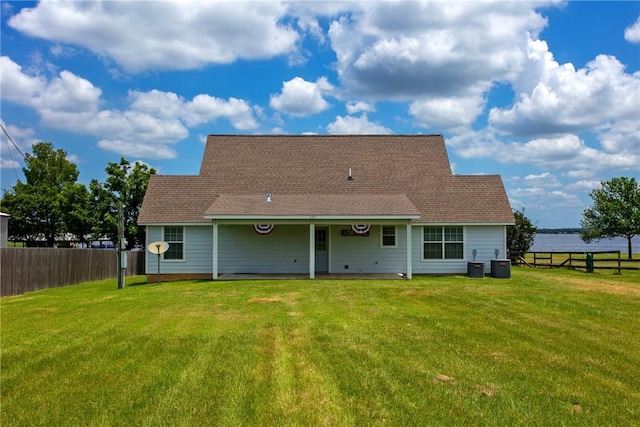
{"points": [[353, 218], [464, 224], [215, 252], [340, 222], [409, 261], [312, 251], [395, 237], [328, 249], [184, 244], [175, 224]]}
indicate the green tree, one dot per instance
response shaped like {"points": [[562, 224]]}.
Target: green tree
{"points": [[520, 236], [127, 183], [78, 217], [615, 212], [38, 206]]}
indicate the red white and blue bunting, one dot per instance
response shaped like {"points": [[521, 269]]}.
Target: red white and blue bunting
{"points": [[263, 229], [360, 229]]}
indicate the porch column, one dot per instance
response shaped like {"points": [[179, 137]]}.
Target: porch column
{"points": [[215, 251], [312, 251], [409, 266]]}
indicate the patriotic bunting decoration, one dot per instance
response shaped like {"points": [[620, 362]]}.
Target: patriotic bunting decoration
{"points": [[263, 229], [360, 229]]}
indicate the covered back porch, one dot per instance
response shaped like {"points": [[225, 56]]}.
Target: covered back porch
{"points": [[328, 248]]}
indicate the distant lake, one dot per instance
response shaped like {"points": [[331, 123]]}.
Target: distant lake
{"points": [[573, 243]]}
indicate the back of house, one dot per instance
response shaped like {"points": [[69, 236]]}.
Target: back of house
{"points": [[313, 204]]}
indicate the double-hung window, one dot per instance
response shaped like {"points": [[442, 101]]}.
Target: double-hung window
{"points": [[443, 242], [388, 236], [174, 236]]}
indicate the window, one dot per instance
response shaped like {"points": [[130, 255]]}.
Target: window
{"points": [[321, 239], [443, 242], [388, 236], [174, 236]]}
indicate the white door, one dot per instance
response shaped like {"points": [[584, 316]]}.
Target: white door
{"points": [[322, 250]]}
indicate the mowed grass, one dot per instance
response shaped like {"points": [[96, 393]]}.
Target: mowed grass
{"points": [[546, 347]]}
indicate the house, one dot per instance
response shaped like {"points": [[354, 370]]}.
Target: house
{"points": [[4, 229], [310, 204]]}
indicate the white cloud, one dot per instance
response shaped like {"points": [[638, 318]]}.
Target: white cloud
{"points": [[355, 107], [621, 136], [545, 180], [152, 121], [446, 113], [302, 98], [67, 93], [356, 126], [192, 34], [537, 177], [562, 99], [15, 84], [632, 33], [567, 153], [409, 50], [146, 150], [583, 185]]}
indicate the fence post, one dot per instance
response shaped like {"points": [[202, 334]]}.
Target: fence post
{"points": [[619, 269]]}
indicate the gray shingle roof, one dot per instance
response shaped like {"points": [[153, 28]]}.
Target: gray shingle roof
{"points": [[313, 204], [311, 171]]}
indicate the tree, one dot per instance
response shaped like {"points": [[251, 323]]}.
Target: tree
{"points": [[38, 207], [520, 236], [78, 217], [615, 212], [127, 183]]}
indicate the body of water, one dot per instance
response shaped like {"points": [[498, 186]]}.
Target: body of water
{"points": [[573, 243]]}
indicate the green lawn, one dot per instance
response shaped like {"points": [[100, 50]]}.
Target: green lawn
{"points": [[546, 347]]}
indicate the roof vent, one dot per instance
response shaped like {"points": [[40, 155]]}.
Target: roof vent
{"points": [[350, 177], [268, 198]]}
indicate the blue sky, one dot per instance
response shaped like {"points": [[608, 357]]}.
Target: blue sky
{"points": [[546, 94]]}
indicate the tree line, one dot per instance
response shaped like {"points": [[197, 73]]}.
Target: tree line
{"points": [[52, 206]]}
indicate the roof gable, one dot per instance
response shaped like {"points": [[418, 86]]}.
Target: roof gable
{"points": [[312, 164]]}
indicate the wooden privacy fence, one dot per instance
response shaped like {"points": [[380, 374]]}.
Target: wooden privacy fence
{"points": [[30, 269], [590, 261]]}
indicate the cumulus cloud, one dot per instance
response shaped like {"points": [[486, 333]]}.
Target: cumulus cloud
{"points": [[16, 84], [152, 122], [567, 153], [355, 107], [302, 98], [193, 34], [447, 113], [584, 185], [565, 100], [409, 50], [201, 109], [632, 33], [350, 125]]}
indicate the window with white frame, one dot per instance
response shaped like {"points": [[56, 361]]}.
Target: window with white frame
{"points": [[174, 236], [443, 242], [388, 236]]}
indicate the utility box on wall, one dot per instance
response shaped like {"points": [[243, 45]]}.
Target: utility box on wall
{"points": [[501, 268], [475, 269]]}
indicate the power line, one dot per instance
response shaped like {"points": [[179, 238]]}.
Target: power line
{"points": [[9, 138]]}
